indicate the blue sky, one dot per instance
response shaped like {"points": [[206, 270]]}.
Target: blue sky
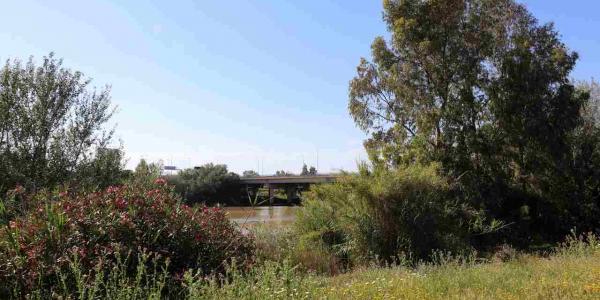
{"points": [[255, 85]]}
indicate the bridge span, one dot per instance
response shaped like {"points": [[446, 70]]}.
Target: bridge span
{"points": [[291, 184]]}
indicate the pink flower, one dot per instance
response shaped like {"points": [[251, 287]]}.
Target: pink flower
{"points": [[120, 203], [125, 220], [112, 189], [160, 181]]}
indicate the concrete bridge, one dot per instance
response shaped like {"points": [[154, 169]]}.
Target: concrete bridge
{"points": [[291, 184]]}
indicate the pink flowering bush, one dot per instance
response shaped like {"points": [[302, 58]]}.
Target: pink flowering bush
{"points": [[97, 228]]}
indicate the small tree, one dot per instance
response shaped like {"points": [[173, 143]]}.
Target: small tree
{"points": [[250, 173], [304, 170], [209, 183], [51, 123], [147, 172], [283, 173], [591, 111], [105, 169]]}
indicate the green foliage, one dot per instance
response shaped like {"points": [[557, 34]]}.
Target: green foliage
{"points": [[250, 173], [283, 173], [129, 221], [104, 170], [591, 111], [456, 71], [269, 281], [208, 184], [12, 205], [569, 272], [308, 172], [305, 252], [388, 214], [482, 88], [51, 124], [146, 172], [562, 275], [304, 171], [149, 280]]}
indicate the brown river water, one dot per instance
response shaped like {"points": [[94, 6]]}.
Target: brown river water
{"points": [[271, 215]]}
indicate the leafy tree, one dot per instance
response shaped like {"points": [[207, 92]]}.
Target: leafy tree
{"points": [[582, 179], [106, 169], [250, 173], [283, 173], [591, 111], [304, 170], [209, 183], [483, 88], [312, 171], [51, 124], [147, 172]]}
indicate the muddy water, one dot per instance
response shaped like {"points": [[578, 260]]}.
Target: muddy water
{"points": [[272, 215]]}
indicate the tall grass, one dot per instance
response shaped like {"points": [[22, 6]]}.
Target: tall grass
{"points": [[284, 244], [78, 282], [571, 271]]}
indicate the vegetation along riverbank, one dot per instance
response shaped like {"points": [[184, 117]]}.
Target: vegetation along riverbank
{"points": [[482, 181]]}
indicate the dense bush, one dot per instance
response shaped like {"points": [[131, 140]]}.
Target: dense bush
{"points": [[209, 184], [400, 214], [118, 222]]}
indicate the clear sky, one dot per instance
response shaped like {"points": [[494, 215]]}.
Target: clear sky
{"points": [[253, 84]]}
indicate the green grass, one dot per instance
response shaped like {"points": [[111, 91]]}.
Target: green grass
{"points": [[571, 272], [529, 277]]}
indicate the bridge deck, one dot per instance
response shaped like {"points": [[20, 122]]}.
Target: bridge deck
{"points": [[288, 179]]}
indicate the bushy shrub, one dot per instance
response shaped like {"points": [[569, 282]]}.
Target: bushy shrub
{"points": [[120, 221], [12, 204], [208, 184], [282, 244], [388, 214]]}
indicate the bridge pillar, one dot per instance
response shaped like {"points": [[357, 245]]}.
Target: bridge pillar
{"points": [[291, 193], [271, 193], [252, 193]]}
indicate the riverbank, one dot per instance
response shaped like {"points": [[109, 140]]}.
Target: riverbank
{"points": [[572, 272]]}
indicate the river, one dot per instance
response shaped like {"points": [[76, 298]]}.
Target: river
{"points": [[272, 215]]}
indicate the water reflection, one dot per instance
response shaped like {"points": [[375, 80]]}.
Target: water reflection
{"points": [[274, 215]]}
